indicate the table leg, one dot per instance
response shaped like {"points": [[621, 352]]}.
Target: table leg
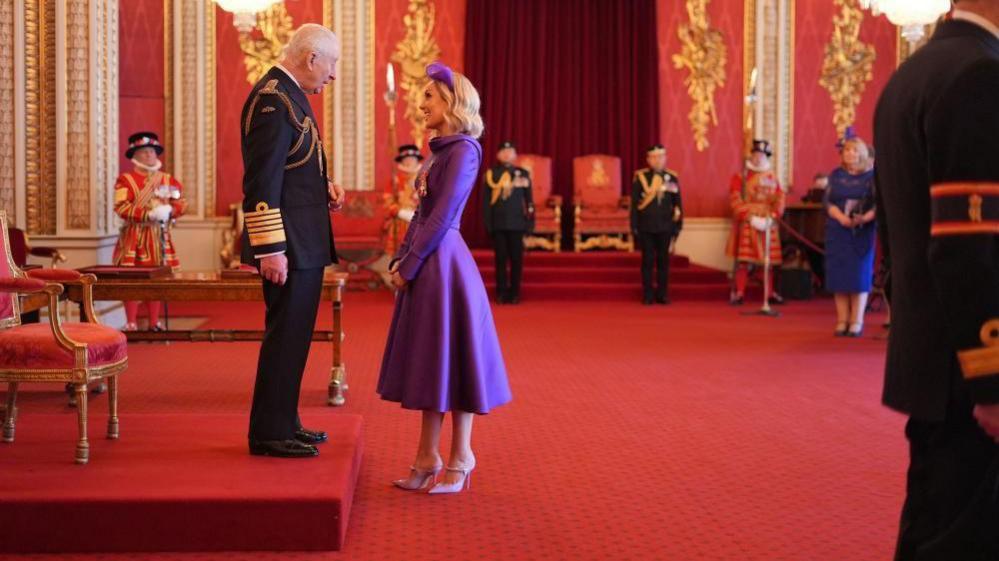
{"points": [[338, 372]]}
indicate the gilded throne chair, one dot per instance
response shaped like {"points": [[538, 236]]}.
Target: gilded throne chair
{"points": [[602, 213], [547, 234], [59, 352]]}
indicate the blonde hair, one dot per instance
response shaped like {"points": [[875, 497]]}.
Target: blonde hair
{"points": [[863, 151], [462, 106]]}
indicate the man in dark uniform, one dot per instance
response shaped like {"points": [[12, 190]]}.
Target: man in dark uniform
{"points": [[936, 130], [287, 199], [656, 220], [508, 209]]}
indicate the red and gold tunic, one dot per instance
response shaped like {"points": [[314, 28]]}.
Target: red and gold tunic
{"points": [[761, 196], [143, 240]]}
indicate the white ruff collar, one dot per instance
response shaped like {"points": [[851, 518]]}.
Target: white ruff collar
{"points": [[750, 165], [147, 169]]}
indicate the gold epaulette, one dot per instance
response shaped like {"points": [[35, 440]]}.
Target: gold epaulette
{"points": [[639, 172], [264, 226], [672, 172]]}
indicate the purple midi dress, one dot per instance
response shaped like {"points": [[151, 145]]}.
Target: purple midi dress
{"points": [[442, 352]]}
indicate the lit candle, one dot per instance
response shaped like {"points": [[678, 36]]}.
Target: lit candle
{"points": [[390, 77]]}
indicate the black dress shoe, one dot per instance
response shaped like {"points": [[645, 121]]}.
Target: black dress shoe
{"points": [[513, 300], [646, 301], [662, 300], [282, 449], [307, 436]]}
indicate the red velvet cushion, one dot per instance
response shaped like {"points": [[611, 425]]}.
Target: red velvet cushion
{"points": [[54, 274], [33, 346], [12, 284]]}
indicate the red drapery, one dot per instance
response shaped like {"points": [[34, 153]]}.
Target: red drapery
{"points": [[563, 79]]}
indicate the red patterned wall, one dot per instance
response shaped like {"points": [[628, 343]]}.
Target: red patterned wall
{"points": [[389, 30], [231, 91], [140, 70], [703, 175], [814, 133]]}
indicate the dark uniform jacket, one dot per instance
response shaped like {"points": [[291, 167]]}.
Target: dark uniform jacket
{"points": [[655, 202], [285, 196], [507, 199], [937, 178]]}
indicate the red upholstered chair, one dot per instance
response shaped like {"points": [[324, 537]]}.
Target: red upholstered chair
{"points": [[547, 207], [20, 249], [74, 353], [602, 213], [361, 233]]}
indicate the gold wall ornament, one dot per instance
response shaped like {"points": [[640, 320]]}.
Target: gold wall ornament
{"points": [[848, 64], [703, 55], [40, 116], [7, 177], [417, 49], [262, 47], [77, 114]]}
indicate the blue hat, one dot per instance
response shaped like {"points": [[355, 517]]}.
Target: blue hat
{"points": [[848, 134]]}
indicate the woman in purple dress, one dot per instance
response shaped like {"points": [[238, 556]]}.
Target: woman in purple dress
{"points": [[442, 352]]}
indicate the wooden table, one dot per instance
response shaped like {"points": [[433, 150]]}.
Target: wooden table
{"points": [[213, 286]]}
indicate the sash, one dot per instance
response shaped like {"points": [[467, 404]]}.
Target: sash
{"points": [[650, 192]]}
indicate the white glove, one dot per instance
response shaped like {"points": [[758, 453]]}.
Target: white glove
{"points": [[160, 213], [406, 214], [761, 223]]}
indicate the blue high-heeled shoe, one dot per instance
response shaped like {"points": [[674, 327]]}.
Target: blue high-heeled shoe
{"points": [[464, 483], [418, 479]]}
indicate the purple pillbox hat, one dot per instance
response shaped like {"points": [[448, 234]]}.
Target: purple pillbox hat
{"points": [[439, 72]]}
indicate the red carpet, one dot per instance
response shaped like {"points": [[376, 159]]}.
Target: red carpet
{"points": [[174, 482], [603, 276], [686, 433]]}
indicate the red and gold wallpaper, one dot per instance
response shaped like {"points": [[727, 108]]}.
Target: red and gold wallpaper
{"points": [[389, 30], [704, 175], [140, 73], [814, 133]]}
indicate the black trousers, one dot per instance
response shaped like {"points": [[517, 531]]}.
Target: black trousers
{"points": [[509, 247], [655, 254], [951, 510], [290, 321]]}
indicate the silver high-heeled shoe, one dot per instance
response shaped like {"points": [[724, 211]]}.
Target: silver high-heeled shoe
{"points": [[464, 483], [418, 478]]}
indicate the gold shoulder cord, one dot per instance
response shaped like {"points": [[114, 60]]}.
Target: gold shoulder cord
{"points": [[304, 126], [648, 192], [497, 187]]}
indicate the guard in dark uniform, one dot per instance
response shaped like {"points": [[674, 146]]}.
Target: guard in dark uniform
{"points": [[508, 209], [936, 130], [656, 220], [287, 200]]}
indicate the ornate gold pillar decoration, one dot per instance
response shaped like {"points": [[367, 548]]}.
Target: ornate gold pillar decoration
{"points": [[209, 102], [769, 48], [186, 102], [348, 114], [848, 64], [262, 46], [417, 49], [77, 112], [7, 132], [703, 54], [40, 115], [168, 69]]}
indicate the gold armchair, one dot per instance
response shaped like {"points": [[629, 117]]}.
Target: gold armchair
{"points": [[603, 214], [73, 353], [547, 232]]}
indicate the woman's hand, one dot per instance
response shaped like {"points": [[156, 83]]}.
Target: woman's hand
{"points": [[845, 221], [397, 280]]}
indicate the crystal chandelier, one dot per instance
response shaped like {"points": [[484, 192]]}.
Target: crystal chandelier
{"points": [[911, 15], [244, 12]]}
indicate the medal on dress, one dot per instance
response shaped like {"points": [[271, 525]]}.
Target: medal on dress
{"points": [[421, 181]]}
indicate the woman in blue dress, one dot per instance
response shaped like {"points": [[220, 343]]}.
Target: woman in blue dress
{"points": [[850, 228], [442, 352]]}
